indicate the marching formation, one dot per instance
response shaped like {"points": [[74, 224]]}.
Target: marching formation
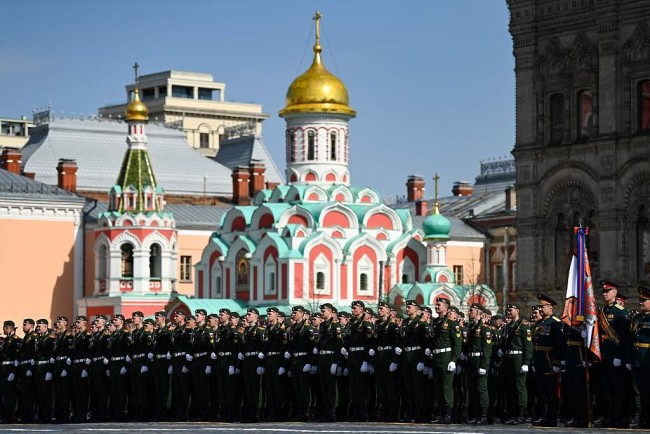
{"points": [[440, 365]]}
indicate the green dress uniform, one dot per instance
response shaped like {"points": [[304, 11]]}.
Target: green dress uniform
{"points": [[203, 347], [548, 348], [100, 371], [386, 368], [517, 353], [161, 367], [119, 350], [141, 373], [181, 358], [226, 348], [414, 333], [276, 345], [63, 349], [301, 344], [479, 353], [252, 370], [359, 359], [44, 374], [640, 358], [10, 356], [329, 349], [445, 349], [460, 380], [26, 370], [80, 375]]}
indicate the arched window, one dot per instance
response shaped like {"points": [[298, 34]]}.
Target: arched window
{"points": [[101, 262], [644, 106], [562, 243], [127, 260], [405, 278], [363, 282], [320, 281], [333, 146], [585, 115], [311, 145], [243, 267], [643, 244], [557, 118], [155, 261], [292, 145]]}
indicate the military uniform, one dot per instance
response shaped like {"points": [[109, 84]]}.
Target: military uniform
{"points": [[43, 374], [161, 368], [252, 367], [227, 347], [460, 379], [27, 392], [478, 352], [640, 356], [100, 349], [329, 349], [119, 380], [575, 361], [386, 369], [413, 333], [63, 349], [276, 345], [80, 373], [359, 358], [141, 372], [301, 345], [181, 380], [202, 348], [10, 356], [517, 353]]}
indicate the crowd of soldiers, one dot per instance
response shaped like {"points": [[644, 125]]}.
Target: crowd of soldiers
{"points": [[435, 365]]}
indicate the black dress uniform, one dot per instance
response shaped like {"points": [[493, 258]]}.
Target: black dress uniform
{"points": [[252, 349], [227, 347], [359, 358], [10, 356], [45, 343], [100, 386], [301, 345], [575, 360], [386, 368], [27, 368], [414, 333], [203, 346], [329, 349], [181, 380], [640, 356], [276, 345], [517, 353], [459, 413], [142, 371], [119, 349], [63, 349], [479, 352], [80, 372], [161, 366]]}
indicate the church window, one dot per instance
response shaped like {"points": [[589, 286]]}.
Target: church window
{"points": [[405, 278], [101, 262], [186, 269], [333, 146], [155, 261], [204, 140], [292, 145], [321, 274], [217, 286], [365, 270], [585, 114], [320, 281], [269, 275], [127, 260], [643, 244], [311, 145], [243, 267], [363, 282], [644, 106], [557, 118], [458, 274]]}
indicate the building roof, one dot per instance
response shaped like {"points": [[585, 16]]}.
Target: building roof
{"points": [[18, 187], [98, 146], [242, 151]]}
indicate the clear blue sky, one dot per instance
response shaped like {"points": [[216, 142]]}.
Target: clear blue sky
{"points": [[432, 80]]}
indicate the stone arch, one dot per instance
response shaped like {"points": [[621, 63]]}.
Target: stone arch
{"points": [[333, 215], [126, 237], [156, 237], [370, 220], [296, 215]]}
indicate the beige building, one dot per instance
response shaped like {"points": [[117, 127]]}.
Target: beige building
{"points": [[196, 104], [14, 133]]}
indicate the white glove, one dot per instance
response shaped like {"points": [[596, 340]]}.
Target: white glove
{"points": [[313, 370], [185, 370], [392, 367], [289, 373], [459, 370], [11, 377], [169, 355], [52, 360], [128, 359], [364, 367], [170, 370], [371, 352], [430, 374], [105, 360], [123, 370], [68, 361], [500, 353], [260, 371], [420, 367], [557, 369], [237, 371], [427, 352], [345, 372], [563, 362], [84, 374], [64, 373], [28, 373], [333, 368], [108, 372], [240, 356], [208, 370], [287, 355], [616, 362], [585, 364], [189, 357], [314, 351], [16, 363], [524, 369], [481, 371], [88, 361], [306, 368], [48, 376], [231, 370], [260, 356], [150, 356], [281, 371], [462, 357], [144, 369], [451, 367], [344, 352], [32, 362], [398, 351], [583, 334], [213, 356], [628, 366], [532, 368]]}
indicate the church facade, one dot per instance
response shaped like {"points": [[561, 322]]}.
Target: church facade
{"points": [[582, 146]]}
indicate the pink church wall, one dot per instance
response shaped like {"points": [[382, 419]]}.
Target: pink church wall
{"points": [[336, 218], [379, 221], [472, 260], [358, 254]]}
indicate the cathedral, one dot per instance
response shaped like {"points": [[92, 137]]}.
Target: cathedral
{"points": [[582, 146]]}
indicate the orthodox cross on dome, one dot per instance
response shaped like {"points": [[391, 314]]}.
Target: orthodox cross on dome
{"points": [[135, 69], [317, 18], [436, 205]]}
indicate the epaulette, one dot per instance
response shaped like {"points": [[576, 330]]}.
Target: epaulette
{"points": [[556, 318], [525, 322], [619, 306]]}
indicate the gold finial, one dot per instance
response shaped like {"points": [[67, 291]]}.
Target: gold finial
{"points": [[135, 68], [317, 17], [436, 205]]}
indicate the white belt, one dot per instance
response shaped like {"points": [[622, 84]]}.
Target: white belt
{"points": [[97, 359], [197, 355], [353, 349], [27, 362], [441, 350], [299, 354], [137, 356], [250, 354], [179, 354], [225, 354], [407, 349], [79, 360], [161, 356], [43, 362], [514, 352], [326, 352], [273, 353], [115, 359], [8, 362], [384, 348], [475, 354], [58, 359]]}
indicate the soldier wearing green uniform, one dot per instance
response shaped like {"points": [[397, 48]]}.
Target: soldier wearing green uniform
{"points": [[161, 364], [80, 369], [62, 387], [253, 345], [640, 356], [517, 352], [301, 344], [413, 336], [10, 355], [614, 327], [26, 370], [329, 346], [226, 348], [447, 343], [119, 350], [460, 376], [478, 352], [202, 348], [45, 343], [386, 363], [276, 345], [575, 361], [100, 351], [359, 353]]}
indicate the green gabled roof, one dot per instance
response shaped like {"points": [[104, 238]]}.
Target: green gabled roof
{"points": [[277, 209], [405, 235], [247, 211], [308, 239], [292, 254], [247, 241], [279, 243], [356, 190], [281, 191], [315, 208], [216, 239], [404, 215], [346, 248], [300, 189], [292, 227], [212, 305], [137, 172], [262, 196], [362, 209]]}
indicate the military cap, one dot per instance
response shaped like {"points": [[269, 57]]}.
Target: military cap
{"points": [[62, 318], [344, 314], [358, 303], [307, 312], [149, 321], [235, 315], [9, 323], [427, 309], [317, 315], [497, 316], [644, 293], [179, 312], [512, 306], [191, 318], [43, 321], [200, 311], [252, 310], [100, 316], [120, 316], [486, 310], [607, 285], [160, 313], [412, 303], [272, 309], [81, 318], [137, 314], [225, 310], [298, 308], [383, 304], [128, 321], [478, 306], [282, 314], [326, 306], [454, 309], [545, 300], [334, 310], [28, 321], [369, 311], [443, 299], [461, 314], [213, 316], [534, 308], [622, 295]]}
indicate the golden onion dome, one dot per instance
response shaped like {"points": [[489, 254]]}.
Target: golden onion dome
{"points": [[317, 90], [137, 110]]}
